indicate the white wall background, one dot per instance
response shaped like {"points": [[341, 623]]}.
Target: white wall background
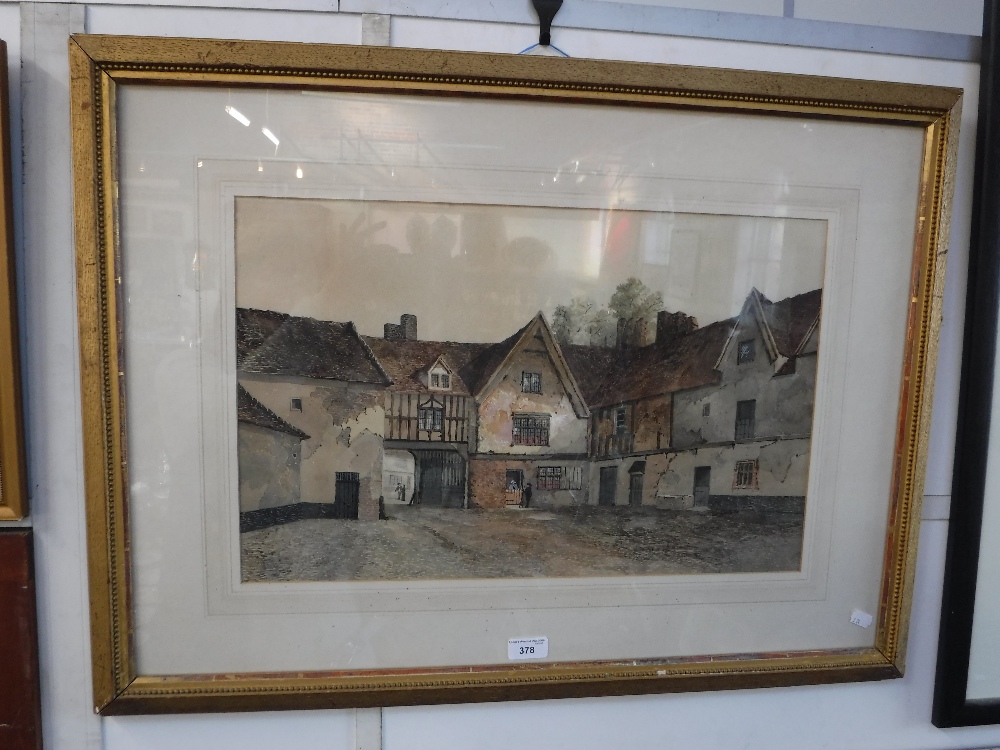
{"points": [[892, 714]]}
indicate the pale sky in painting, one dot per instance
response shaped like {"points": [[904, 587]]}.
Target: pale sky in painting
{"points": [[479, 272]]}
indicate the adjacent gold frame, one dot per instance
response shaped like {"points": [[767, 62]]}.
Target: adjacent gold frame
{"points": [[99, 64], [13, 481]]}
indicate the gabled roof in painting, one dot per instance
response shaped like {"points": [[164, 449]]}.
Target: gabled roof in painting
{"points": [[475, 365], [251, 411], [407, 362], [614, 376], [792, 320], [537, 328], [272, 343], [785, 326], [280, 344]]}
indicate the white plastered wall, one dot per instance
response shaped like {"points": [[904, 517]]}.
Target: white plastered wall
{"points": [[892, 714]]}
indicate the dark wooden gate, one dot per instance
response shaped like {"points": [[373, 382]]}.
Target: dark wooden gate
{"points": [[609, 482], [442, 478], [345, 499], [702, 483]]}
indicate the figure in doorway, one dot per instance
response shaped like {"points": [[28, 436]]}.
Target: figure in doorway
{"points": [[400, 492], [526, 496]]}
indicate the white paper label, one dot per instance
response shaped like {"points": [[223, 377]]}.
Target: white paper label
{"points": [[527, 648], [861, 619]]}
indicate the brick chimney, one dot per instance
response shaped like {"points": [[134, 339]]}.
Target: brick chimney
{"points": [[631, 333], [406, 330], [409, 325], [671, 325]]}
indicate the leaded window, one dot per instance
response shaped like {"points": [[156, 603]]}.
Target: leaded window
{"points": [[430, 418], [549, 477], [745, 475], [620, 415], [531, 429], [531, 382]]}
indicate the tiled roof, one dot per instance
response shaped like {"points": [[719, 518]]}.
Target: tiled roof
{"points": [[791, 318], [591, 365], [278, 344], [631, 374], [407, 361], [253, 327], [252, 411], [613, 376], [491, 358]]}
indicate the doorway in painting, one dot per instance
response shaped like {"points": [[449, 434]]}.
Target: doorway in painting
{"points": [[702, 482], [609, 482]]}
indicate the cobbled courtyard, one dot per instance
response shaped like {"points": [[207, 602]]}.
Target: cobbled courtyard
{"points": [[418, 542]]}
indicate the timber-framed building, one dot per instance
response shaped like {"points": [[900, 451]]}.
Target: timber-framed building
{"points": [[713, 416]]}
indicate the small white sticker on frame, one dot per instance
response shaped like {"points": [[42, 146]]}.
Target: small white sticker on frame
{"points": [[861, 619], [527, 648]]}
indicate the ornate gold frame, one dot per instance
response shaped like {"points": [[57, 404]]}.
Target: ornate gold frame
{"points": [[13, 481], [99, 64]]}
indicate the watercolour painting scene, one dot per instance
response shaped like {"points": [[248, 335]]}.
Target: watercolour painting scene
{"points": [[448, 391]]}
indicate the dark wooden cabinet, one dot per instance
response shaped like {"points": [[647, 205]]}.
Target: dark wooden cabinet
{"points": [[20, 704]]}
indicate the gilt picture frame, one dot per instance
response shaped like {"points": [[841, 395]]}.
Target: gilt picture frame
{"points": [[586, 261], [13, 480]]}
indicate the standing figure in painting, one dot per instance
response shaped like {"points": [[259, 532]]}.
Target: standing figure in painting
{"points": [[526, 496], [400, 492]]}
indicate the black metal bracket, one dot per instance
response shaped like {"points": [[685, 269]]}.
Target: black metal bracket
{"points": [[546, 10]]}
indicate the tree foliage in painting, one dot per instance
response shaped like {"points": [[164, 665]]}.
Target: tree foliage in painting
{"points": [[570, 322], [583, 322], [633, 300]]}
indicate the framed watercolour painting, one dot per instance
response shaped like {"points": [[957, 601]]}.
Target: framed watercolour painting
{"points": [[13, 481], [421, 377]]}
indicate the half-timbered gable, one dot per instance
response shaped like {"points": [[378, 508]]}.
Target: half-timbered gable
{"points": [[430, 413], [419, 407]]}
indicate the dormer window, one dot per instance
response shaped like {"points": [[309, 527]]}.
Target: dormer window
{"points": [[440, 380], [745, 352]]}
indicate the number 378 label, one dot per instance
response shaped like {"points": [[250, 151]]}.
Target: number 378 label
{"points": [[527, 648]]}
